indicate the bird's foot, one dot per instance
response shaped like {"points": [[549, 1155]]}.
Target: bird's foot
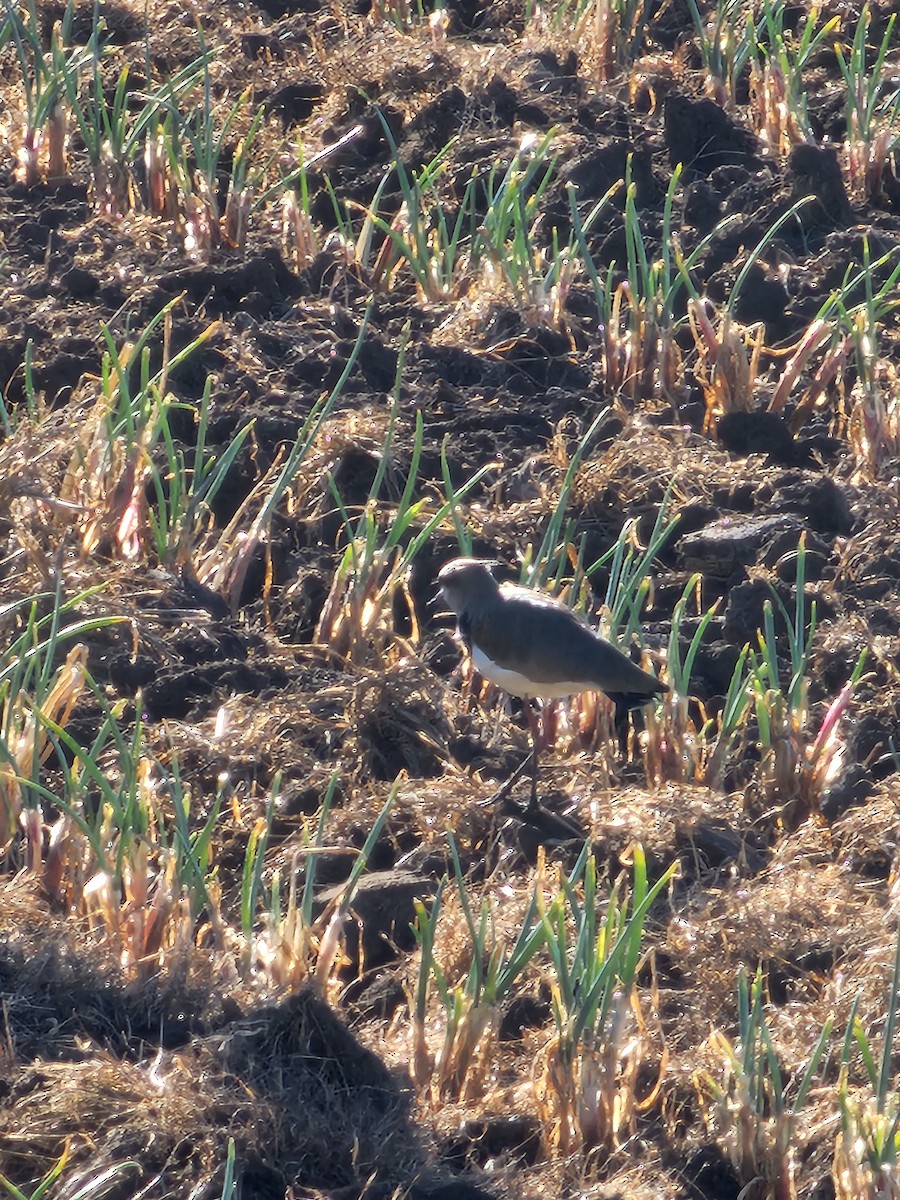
{"points": [[549, 825], [502, 793]]}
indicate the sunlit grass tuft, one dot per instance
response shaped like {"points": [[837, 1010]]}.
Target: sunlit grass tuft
{"points": [[588, 1078], [752, 1107]]}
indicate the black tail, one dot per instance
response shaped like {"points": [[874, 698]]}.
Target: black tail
{"points": [[624, 703]]}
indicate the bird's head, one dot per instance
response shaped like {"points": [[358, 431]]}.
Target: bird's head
{"points": [[465, 581]]}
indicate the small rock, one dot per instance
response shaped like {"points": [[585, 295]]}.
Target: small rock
{"points": [[79, 281], [762, 298], [33, 233], [384, 906], [788, 542], [513, 1137], [816, 566], [694, 516], [739, 497], [703, 136], [523, 1012], [850, 790], [375, 998], [816, 171], [713, 668], [702, 208], [714, 839], [759, 432], [744, 612], [732, 544], [296, 101], [821, 501]]}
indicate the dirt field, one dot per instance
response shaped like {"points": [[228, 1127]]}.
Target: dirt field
{"points": [[244, 678]]}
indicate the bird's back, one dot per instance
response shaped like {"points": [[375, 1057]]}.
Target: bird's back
{"points": [[546, 642]]}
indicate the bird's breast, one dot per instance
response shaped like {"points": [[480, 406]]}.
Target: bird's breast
{"points": [[520, 685]]}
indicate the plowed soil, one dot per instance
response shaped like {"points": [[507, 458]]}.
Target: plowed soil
{"points": [[161, 1067]]}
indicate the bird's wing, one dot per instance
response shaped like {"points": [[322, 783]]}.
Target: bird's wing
{"points": [[545, 641]]}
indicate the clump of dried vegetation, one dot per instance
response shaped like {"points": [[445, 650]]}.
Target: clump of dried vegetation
{"points": [[196, 907]]}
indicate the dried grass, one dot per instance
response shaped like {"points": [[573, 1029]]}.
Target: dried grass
{"points": [[308, 1107], [83, 1063]]}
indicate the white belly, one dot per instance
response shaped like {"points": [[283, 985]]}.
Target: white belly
{"points": [[519, 685]]}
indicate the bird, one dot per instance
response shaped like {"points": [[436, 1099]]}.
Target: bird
{"points": [[534, 647]]}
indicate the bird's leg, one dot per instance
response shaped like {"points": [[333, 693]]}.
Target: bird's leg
{"points": [[535, 732], [501, 796], [620, 722], [529, 763]]}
